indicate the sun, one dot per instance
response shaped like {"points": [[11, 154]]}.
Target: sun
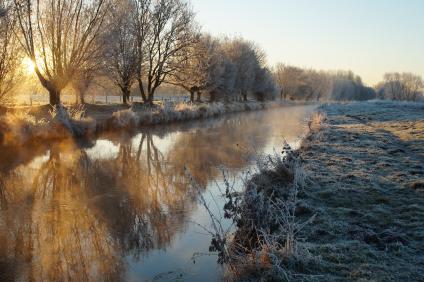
{"points": [[28, 65]]}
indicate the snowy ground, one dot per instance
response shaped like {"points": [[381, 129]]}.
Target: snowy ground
{"points": [[366, 169]]}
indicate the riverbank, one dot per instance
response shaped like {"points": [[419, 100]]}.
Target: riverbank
{"points": [[22, 125], [359, 213]]}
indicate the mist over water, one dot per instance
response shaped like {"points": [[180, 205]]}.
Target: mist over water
{"points": [[122, 208]]}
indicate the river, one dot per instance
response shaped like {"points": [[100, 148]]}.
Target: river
{"points": [[120, 208]]}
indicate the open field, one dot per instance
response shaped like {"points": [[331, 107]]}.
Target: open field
{"points": [[366, 167], [364, 189]]}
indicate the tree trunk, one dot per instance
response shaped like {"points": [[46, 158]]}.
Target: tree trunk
{"points": [[143, 94], [151, 98], [82, 99], [199, 96], [54, 97], [244, 97], [192, 96], [125, 95]]}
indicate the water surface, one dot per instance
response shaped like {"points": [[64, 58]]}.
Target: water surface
{"points": [[121, 208]]}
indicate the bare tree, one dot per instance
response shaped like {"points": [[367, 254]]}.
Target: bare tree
{"points": [[9, 51], [224, 80], [82, 83], [141, 19], [237, 70], [248, 59], [309, 84], [121, 55], [320, 85], [264, 87], [401, 86], [196, 70], [171, 24], [288, 79], [60, 37], [413, 86]]}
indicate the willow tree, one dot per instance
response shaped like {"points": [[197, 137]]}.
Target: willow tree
{"points": [[9, 52], [60, 37]]}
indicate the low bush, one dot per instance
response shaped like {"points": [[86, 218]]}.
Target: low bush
{"points": [[265, 243]]}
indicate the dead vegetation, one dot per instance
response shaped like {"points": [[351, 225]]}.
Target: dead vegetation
{"points": [[265, 244]]}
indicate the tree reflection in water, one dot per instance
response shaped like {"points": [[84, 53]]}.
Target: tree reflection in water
{"points": [[71, 215], [77, 217]]}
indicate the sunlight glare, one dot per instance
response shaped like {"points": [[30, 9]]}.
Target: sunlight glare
{"points": [[28, 65]]}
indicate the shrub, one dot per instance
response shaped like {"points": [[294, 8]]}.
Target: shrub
{"points": [[265, 242]]}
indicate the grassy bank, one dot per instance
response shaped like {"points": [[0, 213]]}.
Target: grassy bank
{"points": [[356, 213], [141, 115], [22, 125]]}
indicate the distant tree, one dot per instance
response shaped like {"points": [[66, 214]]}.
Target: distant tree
{"points": [[246, 59], [264, 87], [308, 84], [204, 69], [121, 51], [60, 37], [193, 70], [82, 83], [288, 80], [319, 83], [239, 71], [89, 74], [347, 87], [10, 54], [224, 85], [414, 86], [401, 86]]}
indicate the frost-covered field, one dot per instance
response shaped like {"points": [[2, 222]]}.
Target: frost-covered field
{"points": [[359, 215], [366, 167]]}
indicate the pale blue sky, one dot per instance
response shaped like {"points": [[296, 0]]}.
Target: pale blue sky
{"points": [[369, 37]]}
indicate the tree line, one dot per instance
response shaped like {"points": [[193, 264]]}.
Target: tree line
{"points": [[147, 43], [131, 42], [308, 84]]}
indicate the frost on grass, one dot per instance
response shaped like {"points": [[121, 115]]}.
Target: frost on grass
{"points": [[268, 216], [20, 127], [364, 193], [168, 112], [367, 166]]}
